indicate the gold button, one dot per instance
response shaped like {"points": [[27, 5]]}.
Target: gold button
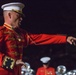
{"points": [[19, 39]]}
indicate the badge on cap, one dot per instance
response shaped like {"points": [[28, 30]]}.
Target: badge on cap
{"points": [[14, 6], [45, 59]]}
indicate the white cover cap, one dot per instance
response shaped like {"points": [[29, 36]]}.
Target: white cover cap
{"points": [[16, 6], [45, 59]]}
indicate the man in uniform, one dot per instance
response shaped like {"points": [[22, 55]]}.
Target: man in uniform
{"points": [[45, 69], [13, 39]]}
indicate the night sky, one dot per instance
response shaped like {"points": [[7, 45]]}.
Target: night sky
{"points": [[51, 17]]}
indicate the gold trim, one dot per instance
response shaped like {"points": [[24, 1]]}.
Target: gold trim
{"points": [[8, 32], [11, 38], [15, 53], [9, 60], [13, 46], [8, 26]]}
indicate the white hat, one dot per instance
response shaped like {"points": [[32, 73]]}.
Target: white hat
{"points": [[45, 59], [15, 6]]}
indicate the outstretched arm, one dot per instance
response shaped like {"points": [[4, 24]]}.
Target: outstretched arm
{"points": [[42, 39]]}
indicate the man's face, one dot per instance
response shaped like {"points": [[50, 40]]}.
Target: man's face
{"points": [[16, 19], [45, 65]]}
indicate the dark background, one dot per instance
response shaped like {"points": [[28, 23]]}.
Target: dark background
{"points": [[51, 17]]}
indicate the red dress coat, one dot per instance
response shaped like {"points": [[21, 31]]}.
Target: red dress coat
{"points": [[46, 71], [12, 43]]}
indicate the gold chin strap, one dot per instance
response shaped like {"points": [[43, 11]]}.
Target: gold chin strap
{"points": [[18, 11]]}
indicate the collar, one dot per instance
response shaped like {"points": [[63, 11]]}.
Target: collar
{"points": [[8, 26]]}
